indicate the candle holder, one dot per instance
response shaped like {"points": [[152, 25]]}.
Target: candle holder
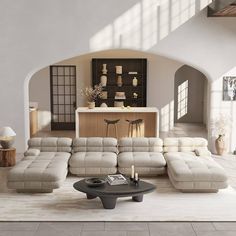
{"points": [[136, 182], [131, 179]]}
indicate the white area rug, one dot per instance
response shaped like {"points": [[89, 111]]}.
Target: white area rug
{"points": [[165, 204]]}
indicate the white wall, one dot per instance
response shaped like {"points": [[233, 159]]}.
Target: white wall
{"points": [[160, 82], [35, 34]]}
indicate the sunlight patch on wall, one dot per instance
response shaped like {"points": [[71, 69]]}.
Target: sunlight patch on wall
{"points": [[167, 117], [182, 99], [145, 23]]}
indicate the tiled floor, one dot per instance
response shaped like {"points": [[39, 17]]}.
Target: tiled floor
{"points": [[117, 229]]}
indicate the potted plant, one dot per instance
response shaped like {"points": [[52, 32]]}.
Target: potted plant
{"points": [[221, 126], [92, 93]]}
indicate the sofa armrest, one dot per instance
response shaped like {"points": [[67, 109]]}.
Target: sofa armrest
{"points": [[32, 152]]}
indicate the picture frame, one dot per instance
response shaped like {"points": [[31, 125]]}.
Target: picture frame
{"points": [[229, 88]]}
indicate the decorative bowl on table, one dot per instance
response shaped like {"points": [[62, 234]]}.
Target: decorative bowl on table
{"points": [[95, 182]]}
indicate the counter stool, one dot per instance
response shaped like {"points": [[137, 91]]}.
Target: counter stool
{"points": [[137, 124], [111, 122]]}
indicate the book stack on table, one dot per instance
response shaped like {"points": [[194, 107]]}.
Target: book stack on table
{"points": [[116, 179]]}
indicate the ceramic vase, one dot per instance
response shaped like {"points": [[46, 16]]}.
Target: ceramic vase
{"points": [[119, 70], [103, 80], [91, 105], [135, 82], [119, 81], [104, 69], [220, 145]]}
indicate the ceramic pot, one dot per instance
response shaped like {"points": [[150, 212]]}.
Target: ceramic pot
{"points": [[103, 80], [220, 145], [118, 69], [91, 105], [119, 81]]}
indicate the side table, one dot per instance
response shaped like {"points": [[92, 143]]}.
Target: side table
{"points": [[7, 157]]}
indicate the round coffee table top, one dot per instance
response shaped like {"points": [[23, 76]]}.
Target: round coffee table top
{"points": [[123, 190]]}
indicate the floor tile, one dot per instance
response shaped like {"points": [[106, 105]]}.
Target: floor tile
{"points": [[18, 226], [216, 233], [137, 226], [203, 226], [227, 226], [103, 233], [137, 233], [171, 229], [87, 226]]}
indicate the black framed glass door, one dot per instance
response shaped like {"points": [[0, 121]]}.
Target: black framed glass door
{"points": [[63, 97]]}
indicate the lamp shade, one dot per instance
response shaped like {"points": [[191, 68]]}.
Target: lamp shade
{"points": [[6, 132]]}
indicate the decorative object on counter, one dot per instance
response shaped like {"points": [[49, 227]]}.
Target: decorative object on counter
{"points": [[119, 70], [7, 135], [136, 179], [133, 73], [103, 104], [104, 95], [103, 80], [221, 127], [118, 104], [114, 123], [120, 95], [135, 82], [135, 95], [92, 94], [104, 69], [137, 123], [119, 81]]}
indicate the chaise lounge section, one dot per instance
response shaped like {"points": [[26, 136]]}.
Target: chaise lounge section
{"points": [[190, 166], [44, 167], [144, 153]]}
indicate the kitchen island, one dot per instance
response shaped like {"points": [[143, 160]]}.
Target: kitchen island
{"points": [[90, 122]]}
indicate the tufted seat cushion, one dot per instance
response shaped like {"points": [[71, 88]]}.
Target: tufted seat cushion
{"points": [[146, 163], [44, 172], [90, 163], [94, 156], [144, 153], [190, 172]]}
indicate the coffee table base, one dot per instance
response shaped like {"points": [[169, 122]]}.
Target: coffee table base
{"points": [[138, 198]]}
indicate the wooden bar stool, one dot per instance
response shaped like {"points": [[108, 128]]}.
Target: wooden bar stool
{"points": [[114, 123], [137, 123]]}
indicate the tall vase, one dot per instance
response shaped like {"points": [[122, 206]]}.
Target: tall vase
{"points": [[104, 69], [103, 80], [220, 145]]}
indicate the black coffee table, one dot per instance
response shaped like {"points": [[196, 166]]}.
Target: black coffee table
{"points": [[109, 193]]}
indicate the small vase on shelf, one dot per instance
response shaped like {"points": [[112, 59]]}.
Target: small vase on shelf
{"points": [[220, 145], [119, 81], [104, 69], [103, 80], [119, 70], [135, 82]]}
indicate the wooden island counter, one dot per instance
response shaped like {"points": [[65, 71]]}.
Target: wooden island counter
{"points": [[90, 122]]}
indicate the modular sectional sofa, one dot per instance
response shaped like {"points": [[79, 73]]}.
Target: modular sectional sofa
{"points": [[189, 164]]}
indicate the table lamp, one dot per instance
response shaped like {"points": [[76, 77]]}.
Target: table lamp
{"points": [[7, 135]]}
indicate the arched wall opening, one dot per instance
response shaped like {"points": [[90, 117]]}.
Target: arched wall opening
{"points": [[160, 85]]}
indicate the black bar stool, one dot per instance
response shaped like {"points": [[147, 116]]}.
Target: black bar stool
{"points": [[114, 123], [137, 123]]}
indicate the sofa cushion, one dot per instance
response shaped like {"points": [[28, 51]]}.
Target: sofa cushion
{"points": [[93, 159], [141, 159], [140, 145], [202, 151], [50, 144], [32, 152], [93, 144]]}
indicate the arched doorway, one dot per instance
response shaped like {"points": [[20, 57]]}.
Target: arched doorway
{"points": [[190, 100]]}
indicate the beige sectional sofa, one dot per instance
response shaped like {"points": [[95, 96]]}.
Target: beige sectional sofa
{"points": [[191, 167], [44, 167], [144, 153], [188, 162], [94, 156]]}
